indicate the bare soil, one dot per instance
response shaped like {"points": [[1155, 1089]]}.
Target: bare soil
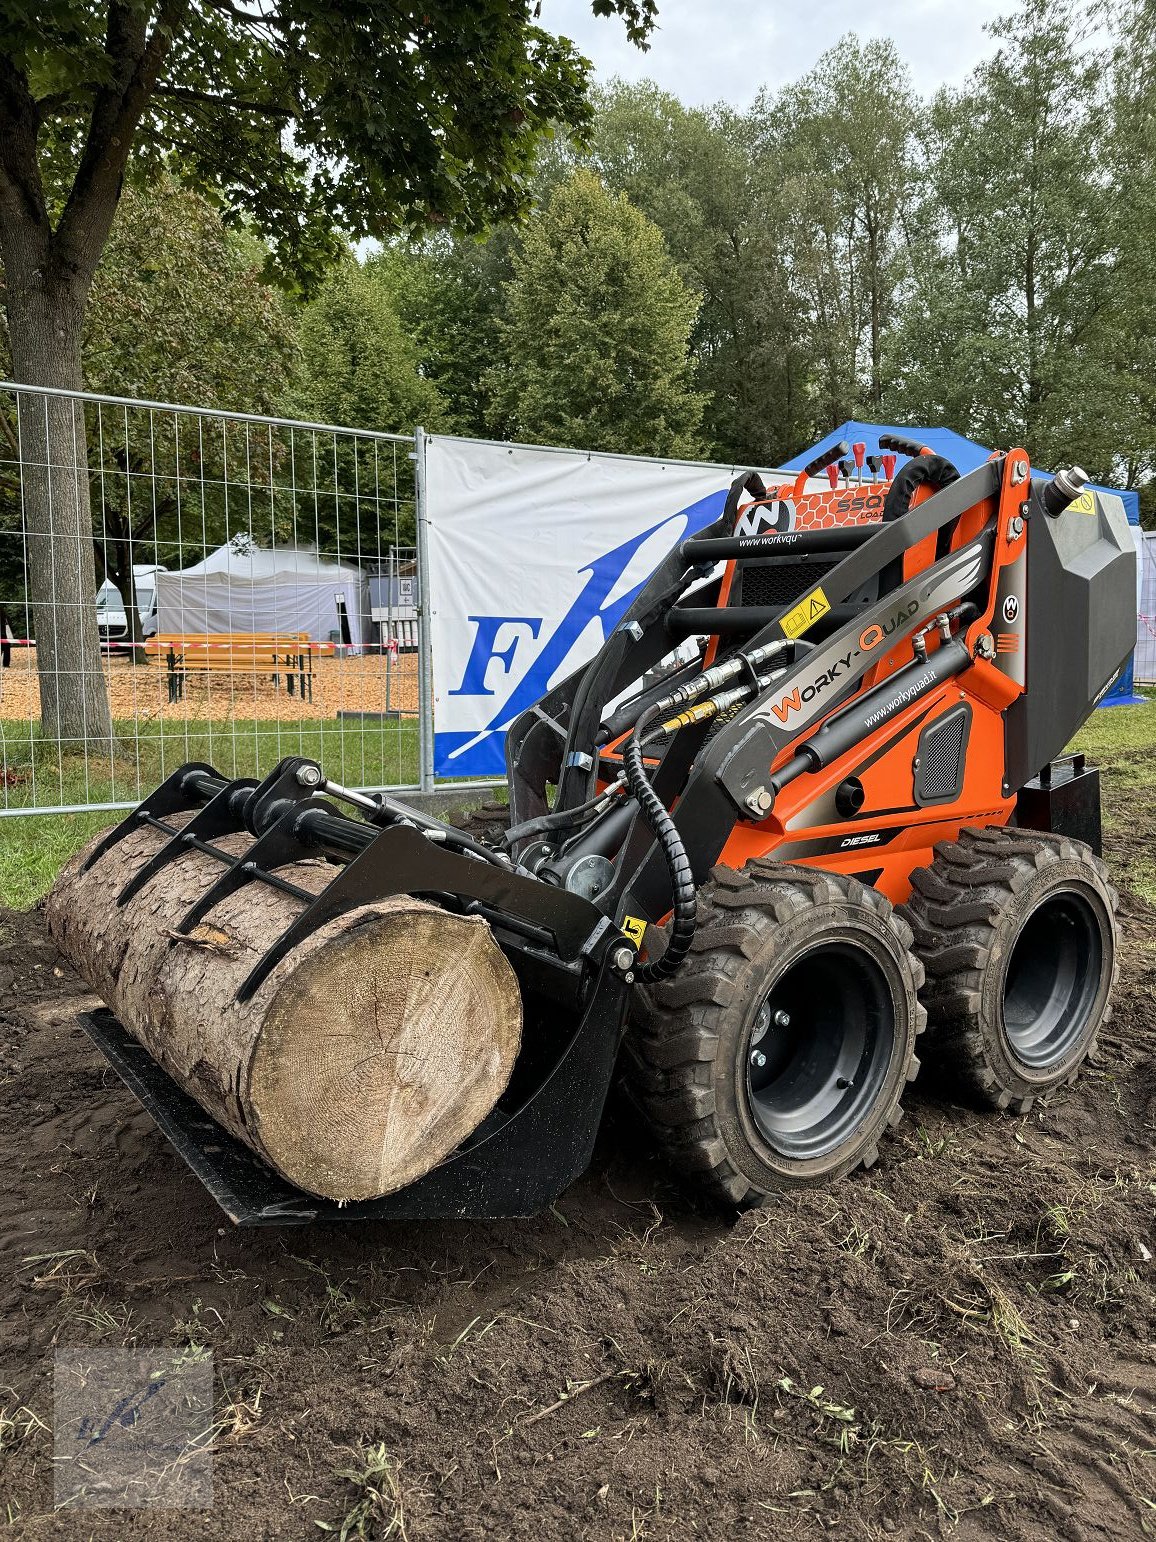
{"points": [[959, 1343]]}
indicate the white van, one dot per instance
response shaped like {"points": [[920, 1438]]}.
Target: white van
{"points": [[110, 615]]}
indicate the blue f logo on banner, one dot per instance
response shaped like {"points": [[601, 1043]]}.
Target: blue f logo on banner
{"points": [[513, 659]]}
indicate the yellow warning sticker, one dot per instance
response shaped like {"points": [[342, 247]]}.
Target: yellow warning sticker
{"points": [[634, 927], [805, 613], [1084, 504]]}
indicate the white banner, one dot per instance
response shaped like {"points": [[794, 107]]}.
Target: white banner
{"points": [[534, 556]]}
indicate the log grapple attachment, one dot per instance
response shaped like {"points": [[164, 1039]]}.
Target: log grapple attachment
{"points": [[808, 800]]}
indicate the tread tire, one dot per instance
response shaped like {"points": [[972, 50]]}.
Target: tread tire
{"points": [[966, 912], [690, 1035], [487, 822]]}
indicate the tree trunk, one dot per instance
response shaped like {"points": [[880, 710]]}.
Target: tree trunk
{"points": [[48, 274], [368, 1054], [45, 325]]}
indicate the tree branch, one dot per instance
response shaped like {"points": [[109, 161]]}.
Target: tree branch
{"points": [[61, 104], [9, 432], [22, 200], [147, 528], [137, 58], [247, 18], [266, 109]]}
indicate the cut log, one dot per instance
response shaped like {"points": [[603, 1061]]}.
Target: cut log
{"points": [[370, 1052]]}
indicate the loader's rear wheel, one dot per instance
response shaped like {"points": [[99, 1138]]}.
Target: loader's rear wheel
{"points": [[778, 1054], [1017, 932]]}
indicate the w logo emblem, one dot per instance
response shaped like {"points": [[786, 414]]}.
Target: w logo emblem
{"points": [[778, 516]]}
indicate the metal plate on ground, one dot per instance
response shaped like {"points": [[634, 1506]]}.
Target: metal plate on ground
{"points": [[515, 1164], [249, 1192]]}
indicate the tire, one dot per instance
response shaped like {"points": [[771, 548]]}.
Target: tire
{"points": [[487, 823], [830, 954], [1017, 933]]}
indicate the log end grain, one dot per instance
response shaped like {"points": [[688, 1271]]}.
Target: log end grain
{"points": [[381, 1056]]}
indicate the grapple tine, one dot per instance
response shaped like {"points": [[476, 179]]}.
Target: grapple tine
{"points": [[224, 814], [175, 795], [277, 847]]}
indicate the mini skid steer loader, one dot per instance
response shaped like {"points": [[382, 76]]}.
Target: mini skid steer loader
{"points": [[809, 798]]}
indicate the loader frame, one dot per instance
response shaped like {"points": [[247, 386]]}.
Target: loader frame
{"points": [[725, 784], [854, 689]]}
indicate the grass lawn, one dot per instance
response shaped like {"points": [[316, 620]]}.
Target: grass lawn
{"points": [[34, 847], [1121, 740]]}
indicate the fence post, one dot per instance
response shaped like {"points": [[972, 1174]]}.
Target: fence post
{"points": [[425, 692]]}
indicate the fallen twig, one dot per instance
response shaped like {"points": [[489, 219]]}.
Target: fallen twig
{"points": [[569, 1396]]}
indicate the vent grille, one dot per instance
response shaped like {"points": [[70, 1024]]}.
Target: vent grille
{"points": [[778, 583], [941, 756]]}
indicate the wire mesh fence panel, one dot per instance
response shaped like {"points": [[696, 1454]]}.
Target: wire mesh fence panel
{"points": [[1145, 664], [181, 584]]}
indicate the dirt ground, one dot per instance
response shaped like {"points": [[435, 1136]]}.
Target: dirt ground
{"points": [[354, 683], [959, 1343]]}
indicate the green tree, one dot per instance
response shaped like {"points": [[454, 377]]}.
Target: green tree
{"points": [[302, 118], [182, 309], [698, 176], [180, 312], [1015, 276], [359, 367], [840, 140], [448, 288], [596, 331], [448, 294], [1118, 423]]}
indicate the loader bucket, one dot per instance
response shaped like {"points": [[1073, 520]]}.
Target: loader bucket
{"points": [[328, 1012]]}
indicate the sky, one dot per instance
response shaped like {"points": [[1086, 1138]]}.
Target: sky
{"points": [[707, 51]]}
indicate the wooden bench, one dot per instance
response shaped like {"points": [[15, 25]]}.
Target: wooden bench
{"points": [[236, 653]]}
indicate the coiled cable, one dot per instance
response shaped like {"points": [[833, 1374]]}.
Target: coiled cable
{"points": [[684, 903]]}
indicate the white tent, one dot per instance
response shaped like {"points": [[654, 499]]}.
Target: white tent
{"points": [[241, 588]]}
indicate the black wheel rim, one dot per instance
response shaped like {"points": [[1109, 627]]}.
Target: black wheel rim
{"points": [[819, 1050], [1053, 980]]}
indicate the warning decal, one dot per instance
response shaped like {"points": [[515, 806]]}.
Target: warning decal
{"points": [[1084, 504], [796, 621], [634, 927]]}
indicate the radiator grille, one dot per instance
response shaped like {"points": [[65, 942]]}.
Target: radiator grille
{"points": [[941, 755]]}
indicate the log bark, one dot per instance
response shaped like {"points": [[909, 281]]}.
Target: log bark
{"points": [[365, 1058]]}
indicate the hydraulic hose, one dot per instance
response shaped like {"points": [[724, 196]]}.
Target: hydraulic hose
{"points": [[682, 891], [565, 819]]}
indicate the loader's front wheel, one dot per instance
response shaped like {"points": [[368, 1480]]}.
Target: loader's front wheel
{"points": [[778, 1054], [1017, 932]]}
